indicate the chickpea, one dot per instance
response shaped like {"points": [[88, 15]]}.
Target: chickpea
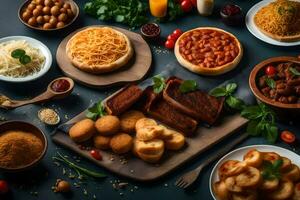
{"points": [[62, 17], [31, 6], [39, 7], [53, 21], [49, 3], [47, 26], [60, 24], [70, 13], [36, 12], [55, 10], [26, 15], [40, 19], [62, 186], [63, 10], [39, 2], [46, 18], [59, 4], [66, 6], [32, 21], [46, 10]]}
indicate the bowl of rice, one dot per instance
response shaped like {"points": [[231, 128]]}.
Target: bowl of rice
{"points": [[23, 59]]}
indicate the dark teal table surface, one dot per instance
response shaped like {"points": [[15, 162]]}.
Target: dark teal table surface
{"points": [[37, 183]]}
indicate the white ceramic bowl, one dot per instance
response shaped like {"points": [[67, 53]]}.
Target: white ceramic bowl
{"points": [[239, 153], [37, 44], [256, 32]]}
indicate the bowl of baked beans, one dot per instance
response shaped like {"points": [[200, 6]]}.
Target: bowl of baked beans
{"points": [[276, 82], [48, 15]]}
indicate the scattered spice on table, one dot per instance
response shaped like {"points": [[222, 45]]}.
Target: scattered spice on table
{"points": [[48, 116], [14, 143]]}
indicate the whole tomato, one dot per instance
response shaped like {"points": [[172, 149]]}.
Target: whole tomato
{"points": [[186, 5], [177, 33], [194, 2], [270, 70], [169, 44]]}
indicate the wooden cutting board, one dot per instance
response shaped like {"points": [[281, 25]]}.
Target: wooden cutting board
{"points": [[139, 170], [135, 70]]}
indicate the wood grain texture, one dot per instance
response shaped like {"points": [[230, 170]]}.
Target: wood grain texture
{"points": [[203, 139], [135, 70]]}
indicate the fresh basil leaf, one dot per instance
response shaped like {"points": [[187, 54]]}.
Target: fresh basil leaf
{"points": [[271, 83], [119, 18], [271, 133], [231, 87], [25, 59], [91, 115], [100, 109], [218, 92], [294, 71], [277, 164], [18, 53], [188, 86], [234, 102], [102, 10], [158, 84], [252, 128], [252, 112]]}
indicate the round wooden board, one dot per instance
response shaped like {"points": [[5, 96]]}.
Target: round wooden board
{"points": [[135, 70]]}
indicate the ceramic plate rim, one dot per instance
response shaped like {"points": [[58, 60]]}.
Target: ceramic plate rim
{"points": [[256, 32], [227, 156], [43, 48]]}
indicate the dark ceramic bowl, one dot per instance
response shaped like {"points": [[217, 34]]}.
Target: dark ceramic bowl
{"points": [[284, 111], [74, 8], [24, 126], [152, 37], [232, 20]]}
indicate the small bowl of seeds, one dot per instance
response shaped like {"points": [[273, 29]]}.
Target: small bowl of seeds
{"points": [[48, 116]]}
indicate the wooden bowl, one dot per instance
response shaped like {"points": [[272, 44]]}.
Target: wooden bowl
{"points": [[74, 8], [25, 126], [284, 111]]}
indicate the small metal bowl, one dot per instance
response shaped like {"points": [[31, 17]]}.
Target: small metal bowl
{"points": [[25, 126], [150, 37], [74, 8]]}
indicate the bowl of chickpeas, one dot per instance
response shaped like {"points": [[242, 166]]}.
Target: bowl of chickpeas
{"points": [[48, 14]]}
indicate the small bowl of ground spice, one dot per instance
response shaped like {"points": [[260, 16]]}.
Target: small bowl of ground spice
{"points": [[48, 116], [22, 146]]}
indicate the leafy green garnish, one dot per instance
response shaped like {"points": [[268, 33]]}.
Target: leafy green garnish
{"points": [[174, 10], [188, 86], [227, 92], [271, 83], [158, 84], [129, 12], [272, 170], [96, 111], [21, 55], [262, 121], [294, 71], [78, 168], [18, 53]]}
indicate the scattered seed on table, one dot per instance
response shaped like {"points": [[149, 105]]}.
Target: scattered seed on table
{"points": [[85, 192], [166, 184]]}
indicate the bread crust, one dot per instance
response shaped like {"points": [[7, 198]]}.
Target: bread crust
{"points": [[208, 71]]}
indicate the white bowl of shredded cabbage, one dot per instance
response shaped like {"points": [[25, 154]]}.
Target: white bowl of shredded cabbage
{"points": [[23, 59]]}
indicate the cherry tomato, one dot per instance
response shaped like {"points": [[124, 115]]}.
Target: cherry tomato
{"points": [[194, 2], [95, 154], [186, 5], [3, 187], [172, 37], [288, 137], [270, 70], [177, 33], [169, 44]]}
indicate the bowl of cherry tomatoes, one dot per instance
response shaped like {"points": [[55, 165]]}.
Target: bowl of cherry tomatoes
{"points": [[276, 82]]}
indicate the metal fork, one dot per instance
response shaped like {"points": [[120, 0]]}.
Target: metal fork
{"points": [[190, 177]]}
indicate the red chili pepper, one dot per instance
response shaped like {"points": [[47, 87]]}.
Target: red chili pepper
{"points": [[288, 137], [96, 154]]}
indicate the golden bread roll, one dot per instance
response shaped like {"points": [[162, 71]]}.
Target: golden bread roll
{"points": [[293, 173], [121, 143], [149, 147], [221, 190], [102, 142], [149, 133], [285, 190], [108, 125], [176, 142], [151, 158], [129, 119], [144, 122], [82, 130], [166, 134]]}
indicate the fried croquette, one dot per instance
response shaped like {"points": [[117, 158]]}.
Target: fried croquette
{"points": [[82, 130], [129, 119], [121, 143], [102, 142], [108, 125]]}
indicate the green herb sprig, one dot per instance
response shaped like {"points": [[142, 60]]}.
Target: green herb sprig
{"points": [[188, 86], [21, 55], [227, 92], [98, 110], [262, 121], [78, 169], [271, 83], [294, 71], [159, 84], [272, 170], [174, 10]]}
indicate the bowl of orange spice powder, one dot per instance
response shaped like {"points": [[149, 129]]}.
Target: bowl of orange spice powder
{"points": [[22, 146]]}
